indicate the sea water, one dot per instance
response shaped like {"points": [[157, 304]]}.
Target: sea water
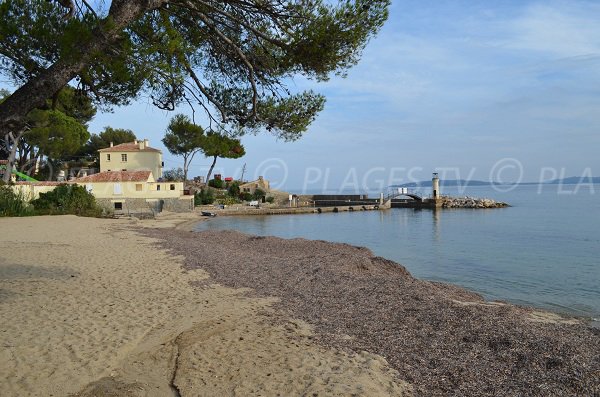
{"points": [[543, 251]]}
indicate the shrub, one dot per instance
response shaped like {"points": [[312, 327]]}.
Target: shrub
{"points": [[259, 194], [234, 189], [246, 196], [216, 183], [270, 199], [227, 200], [67, 199], [173, 175], [204, 197], [13, 203]]}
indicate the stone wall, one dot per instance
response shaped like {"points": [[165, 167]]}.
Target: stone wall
{"points": [[180, 204], [333, 200], [141, 206], [340, 197]]}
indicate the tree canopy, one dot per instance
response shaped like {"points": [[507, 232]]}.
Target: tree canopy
{"points": [[56, 131], [184, 138], [105, 138], [56, 134], [217, 145], [231, 58], [174, 175]]}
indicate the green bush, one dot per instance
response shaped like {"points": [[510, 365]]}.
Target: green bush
{"points": [[246, 196], [67, 199], [270, 199], [216, 183], [13, 203], [227, 200], [234, 189], [204, 197], [259, 194]]}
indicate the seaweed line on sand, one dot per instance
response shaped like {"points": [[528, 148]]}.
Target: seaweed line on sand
{"points": [[442, 339]]}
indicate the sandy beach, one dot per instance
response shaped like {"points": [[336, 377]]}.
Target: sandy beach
{"points": [[89, 307], [98, 307]]}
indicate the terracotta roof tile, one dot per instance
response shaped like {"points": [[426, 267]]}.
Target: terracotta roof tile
{"points": [[3, 162], [116, 176], [40, 183], [129, 147]]}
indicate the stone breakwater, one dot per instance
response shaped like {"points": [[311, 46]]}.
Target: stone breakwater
{"points": [[471, 202]]}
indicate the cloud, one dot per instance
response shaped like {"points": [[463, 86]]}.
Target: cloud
{"points": [[559, 29]]}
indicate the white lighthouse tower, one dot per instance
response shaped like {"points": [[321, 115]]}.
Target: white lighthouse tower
{"points": [[435, 186]]}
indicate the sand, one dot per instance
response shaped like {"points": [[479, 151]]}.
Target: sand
{"points": [[98, 307], [89, 307], [442, 339]]}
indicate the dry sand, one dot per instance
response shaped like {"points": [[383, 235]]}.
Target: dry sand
{"points": [[89, 307]]}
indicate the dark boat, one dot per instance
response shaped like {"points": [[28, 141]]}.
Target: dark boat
{"points": [[206, 213]]}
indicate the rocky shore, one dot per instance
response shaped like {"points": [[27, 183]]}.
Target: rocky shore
{"points": [[471, 202], [442, 340]]}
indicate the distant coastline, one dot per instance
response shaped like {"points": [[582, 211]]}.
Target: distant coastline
{"points": [[573, 180]]}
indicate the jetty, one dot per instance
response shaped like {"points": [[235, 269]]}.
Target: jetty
{"points": [[403, 197], [395, 197], [236, 210]]}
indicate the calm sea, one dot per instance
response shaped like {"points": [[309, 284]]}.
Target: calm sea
{"points": [[543, 251]]}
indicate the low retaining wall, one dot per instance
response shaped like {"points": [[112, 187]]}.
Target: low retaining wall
{"points": [[139, 205], [356, 203], [338, 200]]}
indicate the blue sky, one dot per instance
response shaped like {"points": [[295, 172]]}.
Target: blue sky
{"points": [[466, 88]]}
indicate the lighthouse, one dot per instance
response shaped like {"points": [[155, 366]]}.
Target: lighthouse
{"points": [[435, 186]]}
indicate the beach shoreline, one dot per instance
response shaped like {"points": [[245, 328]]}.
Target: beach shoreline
{"points": [[332, 285], [91, 307], [134, 307], [420, 258]]}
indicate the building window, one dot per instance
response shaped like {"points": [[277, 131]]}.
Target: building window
{"points": [[118, 206], [108, 157], [138, 187], [157, 187], [124, 157], [172, 187]]}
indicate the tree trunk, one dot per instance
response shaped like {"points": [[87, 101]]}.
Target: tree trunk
{"points": [[186, 165], [12, 154], [34, 93], [211, 169]]}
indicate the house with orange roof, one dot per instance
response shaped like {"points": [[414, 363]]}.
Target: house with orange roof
{"points": [[130, 181], [250, 187], [132, 156], [127, 183], [136, 191]]}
